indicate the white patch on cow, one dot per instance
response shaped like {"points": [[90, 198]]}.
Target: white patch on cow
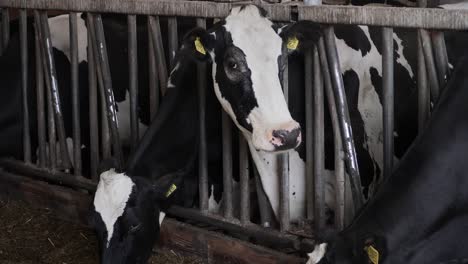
{"points": [[60, 35], [213, 206], [401, 58], [112, 194], [123, 117], [254, 35], [457, 6], [318, 253], [161, 217], [169, 81]]}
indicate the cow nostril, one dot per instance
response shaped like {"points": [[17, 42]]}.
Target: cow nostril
{"points": [[284, 139]]}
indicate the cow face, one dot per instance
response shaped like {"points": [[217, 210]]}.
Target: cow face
{"points": [[248, 59], [127, 216]]}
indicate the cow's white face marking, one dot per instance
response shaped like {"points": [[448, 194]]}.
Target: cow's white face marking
{"points": [[60, 35], [254, 36], [112, 194], [318, 253]]}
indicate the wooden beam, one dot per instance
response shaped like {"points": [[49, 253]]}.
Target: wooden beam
{"points": [[74, 206]]}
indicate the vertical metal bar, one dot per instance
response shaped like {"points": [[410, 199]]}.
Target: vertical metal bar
{"points": [[103, 63], [244, 180], [430, 65], [159, 52], [75, 94], [227, 164], [309, 132], [343, 116], [441, 56], [388, 99], [319, 144], [5, 29], [173, 41], [423, 89], [93, 105], [24, 85], [153, 75], [52, 76], [338, 148], [202, 158], [50, 112], [284, 166], [132, 61], [266, 212], [41, 126]]}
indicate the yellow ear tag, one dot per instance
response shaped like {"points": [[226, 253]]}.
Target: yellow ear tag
{"points": [[171, 190], [199, 46], [293, 42], [373, 254]]}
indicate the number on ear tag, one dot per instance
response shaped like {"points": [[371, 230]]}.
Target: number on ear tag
{"points": [[199, 46], [292, 44], [373, 254], [171, 190]]}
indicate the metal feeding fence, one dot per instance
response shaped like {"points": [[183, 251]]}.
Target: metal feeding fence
{"points": [[325, 79]]}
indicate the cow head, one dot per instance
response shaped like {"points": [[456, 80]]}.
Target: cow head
{"points": [[127, 215], [248, 59]]}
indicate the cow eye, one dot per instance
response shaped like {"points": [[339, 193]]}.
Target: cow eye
{"points": [[232, 65]]}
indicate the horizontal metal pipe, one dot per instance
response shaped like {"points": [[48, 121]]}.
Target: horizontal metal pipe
{"points": [[47, 175], [388, 99]]}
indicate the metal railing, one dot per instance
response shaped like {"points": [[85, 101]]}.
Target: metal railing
{"points": [[325, 80]]}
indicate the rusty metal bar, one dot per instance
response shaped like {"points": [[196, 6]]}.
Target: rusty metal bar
{"points": [[24, 84], [75, 93], [153, 75], [283, 163], [173, 41], [309, 132], [202, 154], [343, 117], [441, 57], [41, 126], [433, 18], [244, 180], [161, 65], [430, 65], [133, 78], [103, 64], [388, 100], [227, 164], [338, 148], [423, 89], [319, 143]]}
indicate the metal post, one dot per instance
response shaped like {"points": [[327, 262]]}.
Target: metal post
{"points": [[319, 144], [309, 132], [343, 117], [103, 64], [441, 57], [338, 148], [93, 104], [5, 30], [24, 85], [244, 180], [75, 94], [159, 52], [266, 212], [388, 99], [284, 217], [227, 164], [173, 41], [430, 65], [202, 159], [423, 89], [41, 126], [133, 79], [153, 75]]}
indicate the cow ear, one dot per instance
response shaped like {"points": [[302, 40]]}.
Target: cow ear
{"points": [[198, 43], [300, 36], [165, 186]]}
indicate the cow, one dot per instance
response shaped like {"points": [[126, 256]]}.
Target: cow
{"points": [[419, 213]]}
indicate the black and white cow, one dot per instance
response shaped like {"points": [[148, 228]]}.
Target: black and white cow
{"points": [[419, 214]]}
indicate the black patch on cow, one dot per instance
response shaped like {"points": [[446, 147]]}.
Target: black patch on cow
{"points": [[233, 77], [376, 80], [365, 162], [354, 37]]}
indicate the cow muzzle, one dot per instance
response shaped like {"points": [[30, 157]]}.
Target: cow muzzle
{"points": [[280, 138]]}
